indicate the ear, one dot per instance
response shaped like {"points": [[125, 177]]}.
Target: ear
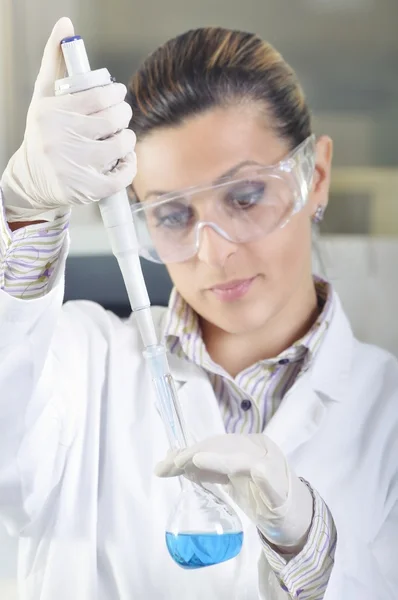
{"points": [[319, 194]]}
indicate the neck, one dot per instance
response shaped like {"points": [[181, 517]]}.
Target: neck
{"points": [[236, 352]]}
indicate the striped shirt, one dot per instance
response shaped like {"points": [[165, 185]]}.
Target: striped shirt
{"points": [[306, 576], [28, 259], [249, 400], [28, 256]]}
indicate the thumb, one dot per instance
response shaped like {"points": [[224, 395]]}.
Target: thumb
{"points": [[235, 465], [273, 482], [52, 64]]}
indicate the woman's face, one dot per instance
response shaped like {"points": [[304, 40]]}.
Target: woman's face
{"points": [[238, 287]]}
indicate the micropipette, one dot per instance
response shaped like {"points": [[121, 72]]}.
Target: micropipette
{"points": [[202, 530]]}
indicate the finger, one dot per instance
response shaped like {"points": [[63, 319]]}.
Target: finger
{"points": [[183, 457], [121, 177], [107, 184], [93, 101], [204, 476], [233, 465], [52, 64], [106, 153], [167, 467], [226, 444], [272, 478], [106, 123], [199, 467]]}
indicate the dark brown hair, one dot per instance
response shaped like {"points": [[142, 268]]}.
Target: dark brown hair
{"points": [[214, 67]]}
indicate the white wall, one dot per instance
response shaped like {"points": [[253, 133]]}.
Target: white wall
{"points": [[352, 134], [364, 271]]}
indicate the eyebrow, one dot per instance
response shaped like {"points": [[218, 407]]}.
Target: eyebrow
{"points": [[229, 173]]}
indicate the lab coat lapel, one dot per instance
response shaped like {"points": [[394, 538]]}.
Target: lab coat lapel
{"points": [[298, 417], [304, 406], [326, 381], [199, 405]]}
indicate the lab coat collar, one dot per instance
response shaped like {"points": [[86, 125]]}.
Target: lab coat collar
{"points": [[330, 370], [302, 410], [326, 381], [199, 406]]}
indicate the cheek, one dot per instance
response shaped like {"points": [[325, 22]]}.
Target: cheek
{"points": [[183, 279], [285, 252]]}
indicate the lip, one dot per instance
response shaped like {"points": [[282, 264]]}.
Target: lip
{"points": [[233, 290]]}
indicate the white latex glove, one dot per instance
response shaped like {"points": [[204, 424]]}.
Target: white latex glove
{"points": [[256, 475], [64, 159]]}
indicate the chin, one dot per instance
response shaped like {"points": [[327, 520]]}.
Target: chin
{"points": [[240, 320]]}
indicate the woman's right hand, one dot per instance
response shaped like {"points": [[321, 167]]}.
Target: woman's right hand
{"points": [[70, 145]]}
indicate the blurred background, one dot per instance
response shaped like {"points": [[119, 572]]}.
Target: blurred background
{"points": [[345, 53]]}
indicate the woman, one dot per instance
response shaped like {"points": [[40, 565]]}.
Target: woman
{"points": [[230, 180]]}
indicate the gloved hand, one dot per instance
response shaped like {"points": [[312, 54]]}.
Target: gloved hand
{"points": [[255, 473], [64, 158]]}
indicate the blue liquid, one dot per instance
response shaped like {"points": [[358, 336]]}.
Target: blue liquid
{"points": [[196, 550]]}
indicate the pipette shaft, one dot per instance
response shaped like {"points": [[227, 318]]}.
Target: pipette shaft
{"points": [[115, 210], [117, 218]]}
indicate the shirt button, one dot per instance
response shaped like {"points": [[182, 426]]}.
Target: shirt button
{"points": [[245, 405], [283, 361]]}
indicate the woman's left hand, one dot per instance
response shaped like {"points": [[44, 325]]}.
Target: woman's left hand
{"points": [[255, 473]]}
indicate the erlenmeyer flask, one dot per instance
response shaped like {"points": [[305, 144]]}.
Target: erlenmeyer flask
{"points": [[202, 529]]}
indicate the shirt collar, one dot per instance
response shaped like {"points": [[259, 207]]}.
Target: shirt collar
{"points": [[183, 335]]}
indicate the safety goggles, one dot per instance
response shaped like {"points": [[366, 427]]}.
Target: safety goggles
{"points": [[241, 208]]}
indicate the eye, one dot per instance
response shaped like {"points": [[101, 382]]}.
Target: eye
{"points": [[173, 215], [247, 194]]}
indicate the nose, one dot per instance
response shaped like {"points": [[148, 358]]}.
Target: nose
{"points": [[213, 248]]}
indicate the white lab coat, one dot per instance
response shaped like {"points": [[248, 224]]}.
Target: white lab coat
{"points": [[80, 435]]}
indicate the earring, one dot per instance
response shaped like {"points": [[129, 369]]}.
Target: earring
{"points": [[319, 214]]}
